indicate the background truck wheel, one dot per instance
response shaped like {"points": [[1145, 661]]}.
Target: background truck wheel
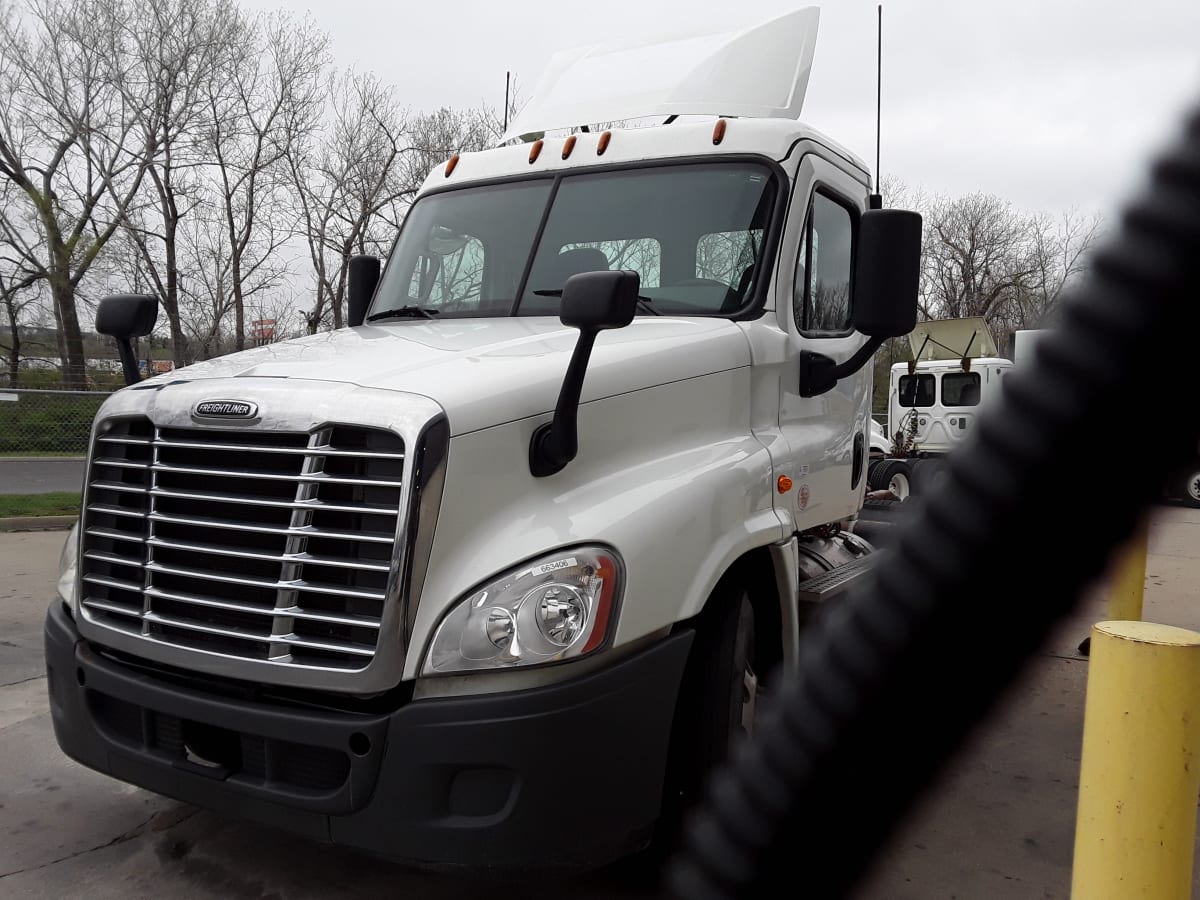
{"points": [[893, 475], [1188, 485], [927, 474]]}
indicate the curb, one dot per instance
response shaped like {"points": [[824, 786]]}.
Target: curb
{"points": [[37, 523]]}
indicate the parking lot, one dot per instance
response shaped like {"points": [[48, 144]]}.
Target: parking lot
{"points": [[1000, 825]]}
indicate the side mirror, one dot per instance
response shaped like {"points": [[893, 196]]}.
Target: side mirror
{"points": [[362, 279], [887, 273], [124, 317], [887, 277], [591, 302]]}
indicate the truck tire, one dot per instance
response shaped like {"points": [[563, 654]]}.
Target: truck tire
{"points": [[871, 469], [716, 707], [1187, 485], [893, 475], [927, 474]]}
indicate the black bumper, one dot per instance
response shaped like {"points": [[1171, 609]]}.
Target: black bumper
{"points": [[565, 775]]}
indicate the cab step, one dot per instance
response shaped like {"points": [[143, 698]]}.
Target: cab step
{"points": [[829, 584]]}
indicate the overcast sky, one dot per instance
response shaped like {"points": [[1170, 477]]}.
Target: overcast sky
{"points": [[1051, 104]]}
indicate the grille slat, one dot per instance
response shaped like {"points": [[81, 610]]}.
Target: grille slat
{"points": [[315, 505], [111, 608], [298, 584], [295, 612], [248, 635], [253, 544], [305, 531], [257, 448], [320, 477], [271, 557]]}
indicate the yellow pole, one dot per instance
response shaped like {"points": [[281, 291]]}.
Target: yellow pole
{"points": [[1139, 779], [1129, 577]]}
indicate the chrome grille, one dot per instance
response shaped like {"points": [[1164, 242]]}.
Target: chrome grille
{"points": [[255, 544]]}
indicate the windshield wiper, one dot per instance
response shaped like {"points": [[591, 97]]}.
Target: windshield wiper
{"points": [[406, 312], [643, 302]]}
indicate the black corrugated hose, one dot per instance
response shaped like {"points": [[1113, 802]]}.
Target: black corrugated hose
{"points": [[892, 679]]}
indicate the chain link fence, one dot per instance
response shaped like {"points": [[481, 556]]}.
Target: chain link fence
{"points": [[47, 422]]}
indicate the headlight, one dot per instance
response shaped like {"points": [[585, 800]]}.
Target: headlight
{"points": [[558, 607], [68, 561]]}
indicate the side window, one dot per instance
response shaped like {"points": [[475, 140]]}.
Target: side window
{"points": [[728, 256], [960, 389], [449, 275], [917, 390], [821, 300], [641, 255]]}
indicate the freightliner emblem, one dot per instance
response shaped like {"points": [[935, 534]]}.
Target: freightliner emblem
{"points": [[225, 409]]}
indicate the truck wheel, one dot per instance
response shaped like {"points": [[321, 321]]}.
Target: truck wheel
{"points": [[1188, 486], [718, 700], [731, 681], [893, 475]]}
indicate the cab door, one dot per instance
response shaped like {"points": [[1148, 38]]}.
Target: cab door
{"points": [[825, 437]]}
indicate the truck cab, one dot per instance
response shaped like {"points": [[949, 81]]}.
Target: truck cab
{"points": [[936, 398], [545, 514]]}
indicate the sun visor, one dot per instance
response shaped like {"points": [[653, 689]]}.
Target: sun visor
{"points": [[952, 339], [757, 72]]}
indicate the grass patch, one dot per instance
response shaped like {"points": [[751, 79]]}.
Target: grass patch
{"points": [[58, 503]]}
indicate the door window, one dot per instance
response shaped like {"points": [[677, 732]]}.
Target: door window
{"points": [[821, 292]]}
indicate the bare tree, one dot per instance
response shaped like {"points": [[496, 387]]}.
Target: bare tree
{"points": [[175, 48], [268, 98], [977, 257], [348, 182], [16, 296], [69, 143], [1061, 246]]}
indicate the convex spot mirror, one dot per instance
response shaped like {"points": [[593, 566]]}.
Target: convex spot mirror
{"points": [[887, 271]]}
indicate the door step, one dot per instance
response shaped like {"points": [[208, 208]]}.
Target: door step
{"points": [[829, 584]]}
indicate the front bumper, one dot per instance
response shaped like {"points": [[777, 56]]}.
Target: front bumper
{"points": [[567, 775]]}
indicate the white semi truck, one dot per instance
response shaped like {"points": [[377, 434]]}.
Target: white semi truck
{"points": [[491, 576]]}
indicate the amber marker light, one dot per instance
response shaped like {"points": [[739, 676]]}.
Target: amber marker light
{"points": [[568, 146], [451, 164], [535, 151], [603, 145], [784, 484], [719, 131]]}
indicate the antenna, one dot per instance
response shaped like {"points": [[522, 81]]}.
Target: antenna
{"points": [[875, 201], [507, 82]]}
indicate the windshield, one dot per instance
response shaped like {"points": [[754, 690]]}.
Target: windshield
{"points": [[694, 233]]}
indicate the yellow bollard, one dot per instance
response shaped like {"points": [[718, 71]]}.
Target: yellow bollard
{"points": [[1139, 779], [1129, 577]]}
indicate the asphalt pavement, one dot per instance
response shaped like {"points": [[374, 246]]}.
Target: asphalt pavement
{"points": [[41, 475], [1000, 824]]}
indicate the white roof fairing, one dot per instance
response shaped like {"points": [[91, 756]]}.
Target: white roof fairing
{"points": [[756, 72]]}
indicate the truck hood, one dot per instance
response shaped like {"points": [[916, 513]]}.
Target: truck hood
{"points": [[487, 371]]}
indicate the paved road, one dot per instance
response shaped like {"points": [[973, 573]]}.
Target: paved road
{"points": [[1000, 826], [41, 475]]}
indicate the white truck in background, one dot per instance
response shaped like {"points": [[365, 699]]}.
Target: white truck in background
{"points": [[490, 577], [935, 399]]}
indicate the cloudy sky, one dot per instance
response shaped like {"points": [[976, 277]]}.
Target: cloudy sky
{"points": [[1051, 104]]}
